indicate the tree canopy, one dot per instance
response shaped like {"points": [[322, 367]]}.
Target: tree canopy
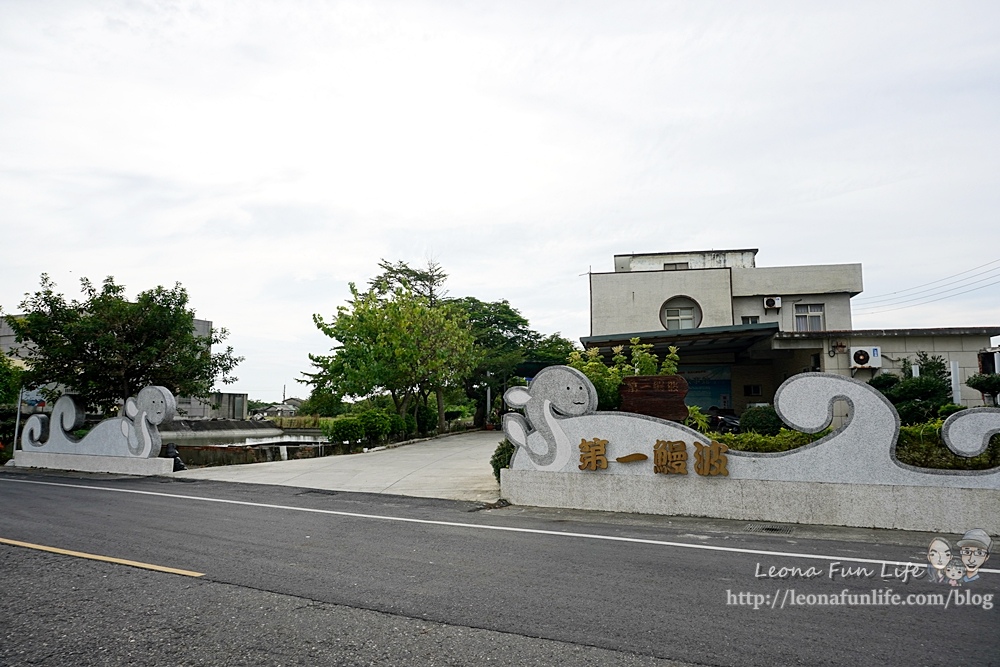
{"points": [[106, 347], [405, 336], [10, 381], [392, 340]]}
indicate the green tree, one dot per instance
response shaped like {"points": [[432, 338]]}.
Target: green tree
{"points": [[426, 283], [551, 349], [10, 381], [500, 337], [985, 383], [323, 404], [106, 347], [392, 341]]}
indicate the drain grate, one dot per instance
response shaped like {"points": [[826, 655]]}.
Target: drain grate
{"points": [[768, 528]]}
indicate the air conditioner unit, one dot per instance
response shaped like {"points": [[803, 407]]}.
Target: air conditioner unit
{"points": [[866, 357], [772, 302]]}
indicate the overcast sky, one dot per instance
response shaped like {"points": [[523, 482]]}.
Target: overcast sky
{"points": [[264, 154]]}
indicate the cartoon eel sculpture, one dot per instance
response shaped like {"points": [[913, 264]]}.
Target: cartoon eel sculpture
{"points": [[556, 391], [134, 434]]}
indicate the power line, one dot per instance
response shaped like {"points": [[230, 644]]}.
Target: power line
{"points": [[941, 294], [933, 282], [888, 300], [889, 310]]}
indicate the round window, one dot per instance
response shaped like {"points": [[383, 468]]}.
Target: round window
{"points": [[680, 312]]}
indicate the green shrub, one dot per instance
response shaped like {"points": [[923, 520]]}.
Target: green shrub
{"points": [[606, 380], [949, 409], [501, 457], [344, 429], [761, 419], [427, 419], [397, 426], [696, 419], [411, 425], [917, 411], [376, 425], [8, 418], [884, 381], [925, 387], [920, 445], [782, 441], [985, 383]]}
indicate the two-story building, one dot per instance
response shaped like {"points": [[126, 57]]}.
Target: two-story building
{"points": [[742, 330]]}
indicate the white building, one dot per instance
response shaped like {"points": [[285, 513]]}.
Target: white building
{"points": [[742, 330]]}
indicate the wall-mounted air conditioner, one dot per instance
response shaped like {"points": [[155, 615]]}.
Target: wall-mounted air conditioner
{"points": [[866, 357], [772, 302]]}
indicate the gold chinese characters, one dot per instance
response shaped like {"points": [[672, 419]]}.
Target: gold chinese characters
{"points": [[670, 457]]}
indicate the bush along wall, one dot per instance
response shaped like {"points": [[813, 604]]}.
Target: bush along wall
{"points": [[8, 418], [919, 445]]}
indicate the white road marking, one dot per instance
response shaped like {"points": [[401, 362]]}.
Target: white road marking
{"points": [[509, 529]]}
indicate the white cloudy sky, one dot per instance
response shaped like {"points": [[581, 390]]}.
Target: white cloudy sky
{"points": [[263, 154]]}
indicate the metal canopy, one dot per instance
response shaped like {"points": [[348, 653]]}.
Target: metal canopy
{"points": [[708, 340]]}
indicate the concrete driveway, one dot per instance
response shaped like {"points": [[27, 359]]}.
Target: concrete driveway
{"points": [[455, 467]]}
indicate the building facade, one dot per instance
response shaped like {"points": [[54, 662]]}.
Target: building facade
{"points": [[742, 330]]}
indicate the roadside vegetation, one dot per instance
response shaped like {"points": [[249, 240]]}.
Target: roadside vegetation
{"points": [[408, 360]]}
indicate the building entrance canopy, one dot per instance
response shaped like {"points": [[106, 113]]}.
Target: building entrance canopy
{"points": [[705, 340]]}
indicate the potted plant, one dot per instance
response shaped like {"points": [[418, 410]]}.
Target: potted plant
{"points": [[650, 387]]}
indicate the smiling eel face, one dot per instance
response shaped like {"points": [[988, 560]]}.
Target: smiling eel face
{"points": [[568, 390], [157, 403]]}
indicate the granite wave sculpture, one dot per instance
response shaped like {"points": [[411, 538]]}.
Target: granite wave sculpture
{"points": [[560, 414], [132, 434]]}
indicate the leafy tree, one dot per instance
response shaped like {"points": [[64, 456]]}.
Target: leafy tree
{"points": [[323, 404], [392, 341], [500, 335], [10, 381], [106, 348], [985, 383], [552, 349], [427, 283]]}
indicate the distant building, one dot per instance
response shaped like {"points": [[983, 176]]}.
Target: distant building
{"points": [[742, 330], [280, 410]]}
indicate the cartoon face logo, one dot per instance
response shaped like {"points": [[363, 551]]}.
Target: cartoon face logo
{"points": [[954, 570], [939, 554], [975, 547]]}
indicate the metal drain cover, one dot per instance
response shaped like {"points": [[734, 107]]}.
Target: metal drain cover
{"points": [[768, 528]]}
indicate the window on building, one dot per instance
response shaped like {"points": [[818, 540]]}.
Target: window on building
{"points": [[752, 390], [809, 317], [679, 318], [751, 319], [680, 312], [676, 266]]}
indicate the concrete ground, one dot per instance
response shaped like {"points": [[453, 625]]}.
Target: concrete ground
{"points": [[456, 467]]}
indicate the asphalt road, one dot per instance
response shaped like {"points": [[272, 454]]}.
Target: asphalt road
{"points": [[295, 576]]}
